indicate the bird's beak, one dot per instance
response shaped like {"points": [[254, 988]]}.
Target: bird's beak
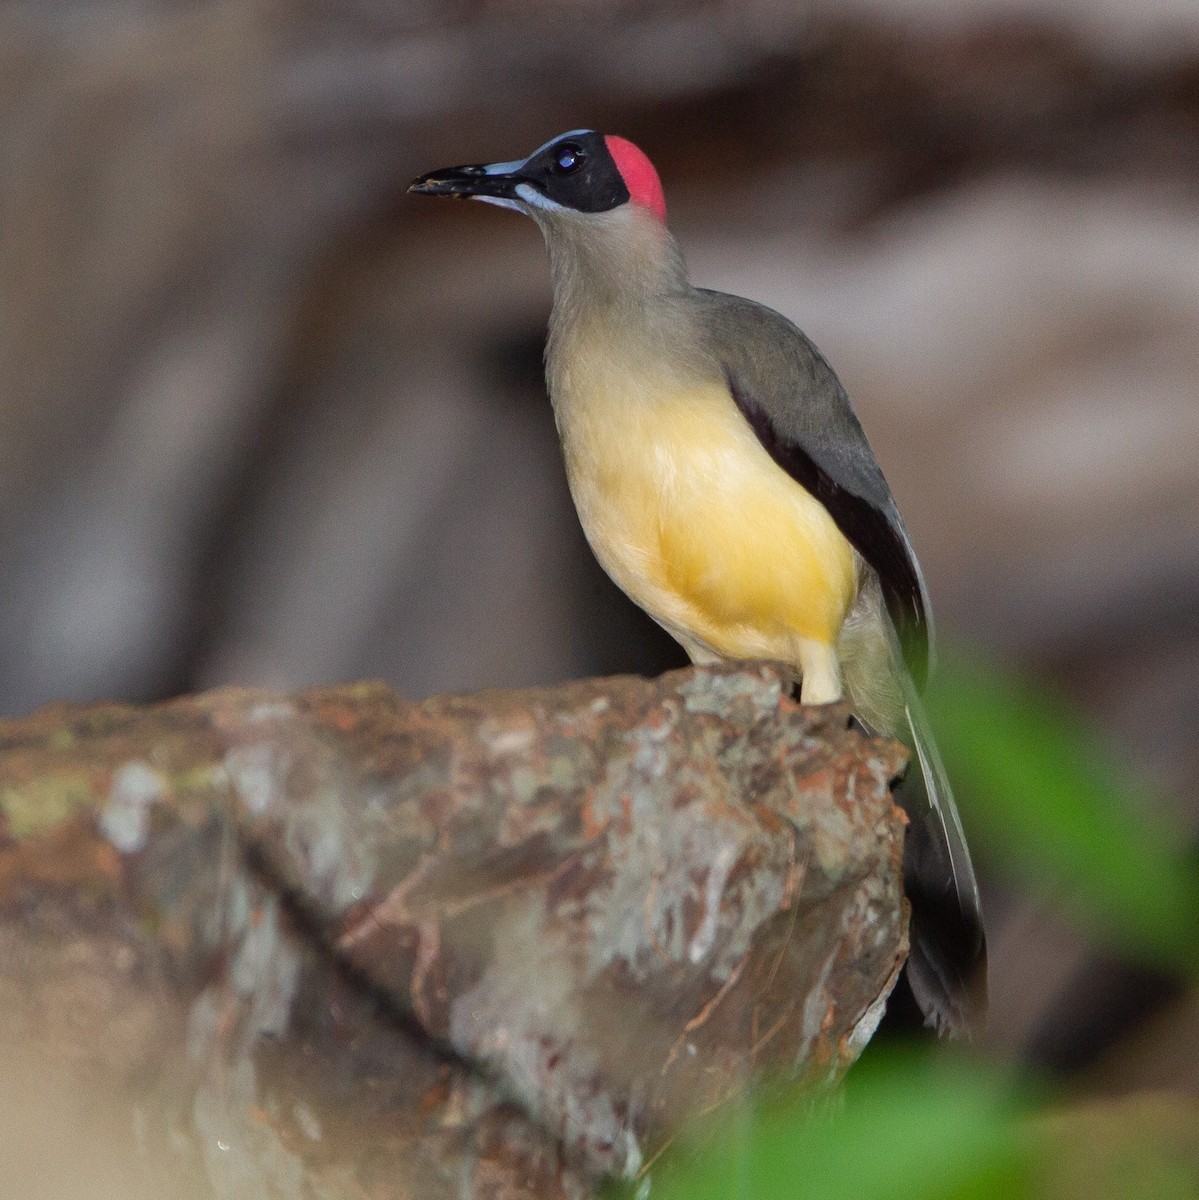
{"points": [[496, 182]]}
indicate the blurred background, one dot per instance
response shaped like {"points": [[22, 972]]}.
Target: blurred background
{"points": [[267, 420]]}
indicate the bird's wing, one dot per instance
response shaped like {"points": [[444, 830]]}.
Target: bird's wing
{"points": [[802, 416]]}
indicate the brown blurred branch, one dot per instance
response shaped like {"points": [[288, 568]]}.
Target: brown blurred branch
{"points": [[488, 945]]}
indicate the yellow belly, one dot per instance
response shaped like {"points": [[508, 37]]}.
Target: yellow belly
{"points": [[697, 524]]}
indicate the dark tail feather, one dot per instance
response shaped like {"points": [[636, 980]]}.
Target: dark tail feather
{"points": [[947, 961]]}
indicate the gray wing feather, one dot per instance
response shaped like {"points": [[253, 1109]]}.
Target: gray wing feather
{"points": [[800, 412]]}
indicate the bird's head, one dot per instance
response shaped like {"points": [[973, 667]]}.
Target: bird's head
{"points": [[581, 173]]}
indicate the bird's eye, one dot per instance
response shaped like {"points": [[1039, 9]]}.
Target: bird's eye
{"points": [[568, 159]]}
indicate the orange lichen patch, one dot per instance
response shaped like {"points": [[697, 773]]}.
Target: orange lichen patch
{"points": [[659, 718], [436, 1097], [342, 710], [593, 824], [626, 807], [821, 1056], [70, 855], [341, 717]]}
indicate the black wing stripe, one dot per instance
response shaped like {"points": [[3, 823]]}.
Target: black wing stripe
{"points": [[867, 528]]}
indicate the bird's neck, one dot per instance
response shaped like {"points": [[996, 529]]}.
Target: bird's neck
{"points": [[621, 296], [612, 259]]}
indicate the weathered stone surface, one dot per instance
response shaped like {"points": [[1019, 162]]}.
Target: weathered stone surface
{"points": [[488, 945]]}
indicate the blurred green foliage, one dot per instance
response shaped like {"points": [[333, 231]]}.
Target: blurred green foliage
{"points": [[908, 1129], [927, 1126], [1045, 804]]}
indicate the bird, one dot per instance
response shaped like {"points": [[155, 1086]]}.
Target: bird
{"points": [[725, 483]]}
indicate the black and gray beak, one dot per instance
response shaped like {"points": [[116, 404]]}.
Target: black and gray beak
{"points": [[495, 181]]}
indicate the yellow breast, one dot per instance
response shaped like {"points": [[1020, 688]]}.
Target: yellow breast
{"points": [[694, 520]]}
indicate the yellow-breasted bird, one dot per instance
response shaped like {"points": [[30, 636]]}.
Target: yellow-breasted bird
{"points": [[725, 484]]}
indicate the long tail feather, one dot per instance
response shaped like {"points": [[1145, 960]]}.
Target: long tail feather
{"points": [[947, 961]]}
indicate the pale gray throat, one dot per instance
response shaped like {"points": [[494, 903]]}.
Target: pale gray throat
{"points": [[617, 269]]}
